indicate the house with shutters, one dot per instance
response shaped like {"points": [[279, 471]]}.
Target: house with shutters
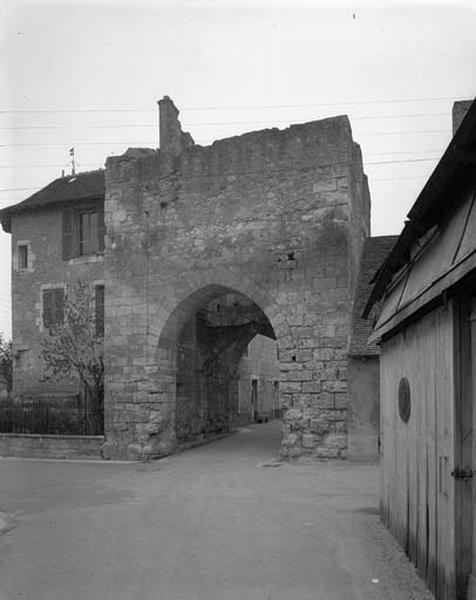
{"points": [[57, 239]]}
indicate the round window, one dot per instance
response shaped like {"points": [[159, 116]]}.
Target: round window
{"points": [[404, 404]]}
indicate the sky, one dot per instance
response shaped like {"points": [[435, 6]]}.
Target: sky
{"points": [[89, 74]]}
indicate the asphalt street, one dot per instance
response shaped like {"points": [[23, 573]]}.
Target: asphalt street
{"points": [[224, 521]]}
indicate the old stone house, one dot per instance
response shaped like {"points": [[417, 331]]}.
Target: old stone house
{"points": [[57, 239], [427, 330], [195, 251]]}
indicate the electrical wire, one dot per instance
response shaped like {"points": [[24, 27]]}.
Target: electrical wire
{"points": [[97, 165], [203, 124], [236, 107], [309, 168], [149, 143]]}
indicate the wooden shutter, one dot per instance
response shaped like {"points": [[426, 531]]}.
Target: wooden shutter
{"points": [[99, 311], [58, 306], [68, 250], [101, 227], [47, 308], [53, 307]]}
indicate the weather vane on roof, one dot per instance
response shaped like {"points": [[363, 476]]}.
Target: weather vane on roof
{"points": [[73, 168]]}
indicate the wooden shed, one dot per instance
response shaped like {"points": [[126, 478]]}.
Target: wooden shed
{"points": [[426, 293]]}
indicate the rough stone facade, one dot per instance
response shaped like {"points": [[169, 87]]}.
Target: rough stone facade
{"points": [[276, 218], [41, 230], [51, 446]]}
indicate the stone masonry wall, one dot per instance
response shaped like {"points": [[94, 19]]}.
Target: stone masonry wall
{"points": [[24, 445], [273, 215], [41, 231]]}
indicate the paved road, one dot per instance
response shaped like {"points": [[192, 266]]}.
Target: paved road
{"points": [[216, 522]]}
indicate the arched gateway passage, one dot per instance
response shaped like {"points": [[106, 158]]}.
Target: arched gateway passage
{"points": [[216, 377]]}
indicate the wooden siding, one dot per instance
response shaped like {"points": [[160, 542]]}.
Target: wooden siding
{"points": [[417, 496]]}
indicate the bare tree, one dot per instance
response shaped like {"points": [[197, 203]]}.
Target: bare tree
{"points": [[6, 363], [72, 348]]}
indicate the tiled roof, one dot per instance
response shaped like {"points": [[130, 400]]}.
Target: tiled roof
{"points": [[81, 186], [374, 252]]}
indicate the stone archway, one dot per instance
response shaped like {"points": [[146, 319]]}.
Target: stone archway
{"points": [[199, 352]]}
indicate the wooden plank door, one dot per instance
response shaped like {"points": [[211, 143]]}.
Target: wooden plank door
{"points": [[464, 464], [472, 575]]}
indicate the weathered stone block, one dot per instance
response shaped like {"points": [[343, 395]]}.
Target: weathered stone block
{"points": [[313, 387], [309, 440], [319, 427], [336, 441], [325, 452], [341, 400], [290, 386]]}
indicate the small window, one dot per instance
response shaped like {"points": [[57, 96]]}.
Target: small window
{"points": [[53, 308], [246, 351], [99, 304], [23, 257], [404, 403]]}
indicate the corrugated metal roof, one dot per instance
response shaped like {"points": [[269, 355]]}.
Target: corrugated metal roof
{"points": [[374, 252], [82, 186]]}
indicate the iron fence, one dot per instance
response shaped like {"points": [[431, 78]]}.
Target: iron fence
{"points": [[47, 418]]}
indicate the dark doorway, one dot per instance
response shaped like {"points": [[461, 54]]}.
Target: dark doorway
{"points": [[254, 400]]}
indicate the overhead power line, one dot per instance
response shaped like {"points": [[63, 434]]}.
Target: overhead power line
{"points": [[63, 165], [387, 162], [99, 164], [236, 107], [148, 144], [67, 144], [203, 123], [372, 181]]}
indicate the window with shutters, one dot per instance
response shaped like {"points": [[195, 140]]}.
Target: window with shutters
{"points": [[99, 306], [53, 307], [83, 230]]}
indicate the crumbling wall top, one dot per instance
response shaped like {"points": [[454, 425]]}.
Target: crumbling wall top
{"points": [[172, 139]]}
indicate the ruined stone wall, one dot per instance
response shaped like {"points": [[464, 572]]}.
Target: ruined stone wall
{"points": [[272, 215], [360, 215], [41, 231]]}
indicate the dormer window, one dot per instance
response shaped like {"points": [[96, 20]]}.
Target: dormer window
{"points": [[83, 230]]}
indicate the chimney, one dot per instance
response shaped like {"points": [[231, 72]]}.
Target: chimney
{"points": [[172, 139], [460, 108]]}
